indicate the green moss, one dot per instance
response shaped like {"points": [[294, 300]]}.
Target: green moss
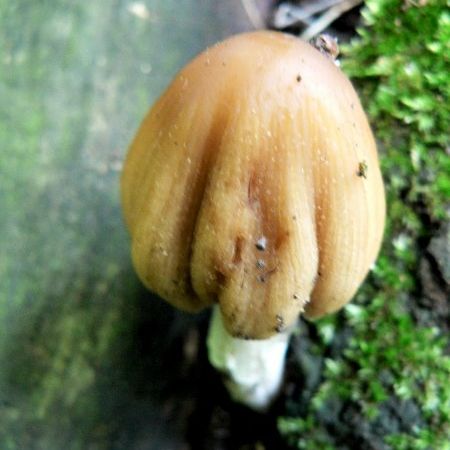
{"points": [[400, 62]]}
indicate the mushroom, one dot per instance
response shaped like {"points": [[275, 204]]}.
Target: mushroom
{"points": [[243, 189]]}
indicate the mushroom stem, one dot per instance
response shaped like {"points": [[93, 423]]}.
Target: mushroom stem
{"points": [[253, 369]]}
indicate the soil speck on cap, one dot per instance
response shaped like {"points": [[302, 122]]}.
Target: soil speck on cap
{"points": [[260, 264], [362, 169], [327, 45], [261, 243], [280, 323]]}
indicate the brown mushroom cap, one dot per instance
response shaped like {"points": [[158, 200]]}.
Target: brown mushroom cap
{"points": [[245, 186]]}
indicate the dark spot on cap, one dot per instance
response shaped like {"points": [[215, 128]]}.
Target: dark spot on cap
{"points": [[240, 335], [221, 278], [238, 246]]}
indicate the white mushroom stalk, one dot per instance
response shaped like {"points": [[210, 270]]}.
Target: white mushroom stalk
{"points": [[252, 369]]}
